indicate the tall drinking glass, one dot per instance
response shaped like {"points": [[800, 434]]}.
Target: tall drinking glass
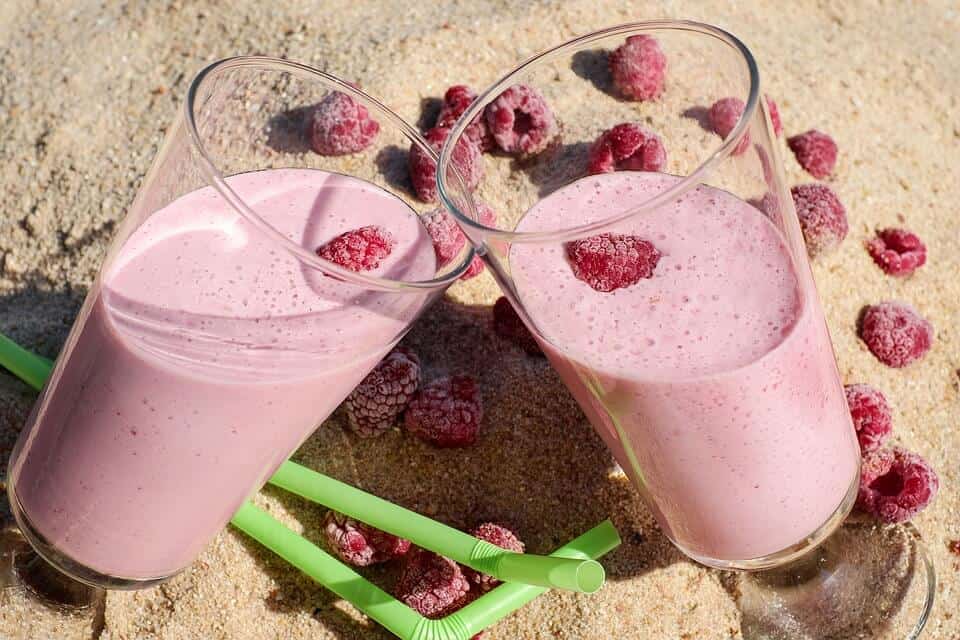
{"points": [[216, 339], [664, 273]]}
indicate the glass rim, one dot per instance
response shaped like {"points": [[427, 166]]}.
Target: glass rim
{"points": [[693, 178], [218, 181]]}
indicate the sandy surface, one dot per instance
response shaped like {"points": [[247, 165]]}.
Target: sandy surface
{"points": [[86, 93]]}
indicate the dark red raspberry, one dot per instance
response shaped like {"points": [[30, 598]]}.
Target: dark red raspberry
{"points": [[359, 250], [448, 239], [476, 268], [340, 125], [503, 538], [724, 115], [896, 484], [373, 407], [431, 584], [639, 67], [360, 544], [446, 412], [823, 217], [774, 115], [895, 333], [871, 415], [507, 324], [611, 261], [456, 101], [423, 170], [815, 151], [897, 251], [520, 121], [627, 147]]}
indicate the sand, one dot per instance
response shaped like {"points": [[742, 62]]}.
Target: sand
{"points": [[86, 94]]}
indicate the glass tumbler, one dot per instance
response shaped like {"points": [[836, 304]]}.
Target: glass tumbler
{"points": [[647, 238], [225, 325]]}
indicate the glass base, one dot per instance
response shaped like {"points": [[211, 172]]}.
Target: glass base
{"points": [[22, 568], [63, 564], [37, 601], [865, 581]]}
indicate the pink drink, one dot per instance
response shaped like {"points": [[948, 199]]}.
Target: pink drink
{"points": [[207, 357], [713, 382]]}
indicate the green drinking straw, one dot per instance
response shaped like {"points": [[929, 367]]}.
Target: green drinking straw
{"points": [[583, 575], [26, 365], [394, 615]]}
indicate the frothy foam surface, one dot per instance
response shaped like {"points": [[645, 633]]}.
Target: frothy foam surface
{"points": [[703, 311]]}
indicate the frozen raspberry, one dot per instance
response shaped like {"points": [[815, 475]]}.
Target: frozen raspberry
{"points": [[448, 239], [423, 170], [476, 268], [374, 405], [896, 484], [520, 121], [724, 115], [638, 67], [360, 544], [488, 218], [871, 415], [446, 412], [359, 250], [895, 333], [815, 151], [897, 251], [431, 584], [769, 204], [456, 101], [774, 115], [611, 261], [507, 324], [627, 147], [503, 538], [823, 217], [340, 125]]}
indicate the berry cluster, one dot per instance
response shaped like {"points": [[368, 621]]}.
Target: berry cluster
{"points": [[895, 484], [445, 412], [430, 584], [518, 122]]}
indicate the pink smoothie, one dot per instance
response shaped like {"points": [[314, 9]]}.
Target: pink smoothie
{"points": [[713, 382], [206, 356]]}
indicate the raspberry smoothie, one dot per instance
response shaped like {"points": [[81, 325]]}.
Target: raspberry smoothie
{"points": [[713, 381], [207, 356]]}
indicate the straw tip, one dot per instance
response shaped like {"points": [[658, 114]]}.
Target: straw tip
{"points": [[590, 576]]}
